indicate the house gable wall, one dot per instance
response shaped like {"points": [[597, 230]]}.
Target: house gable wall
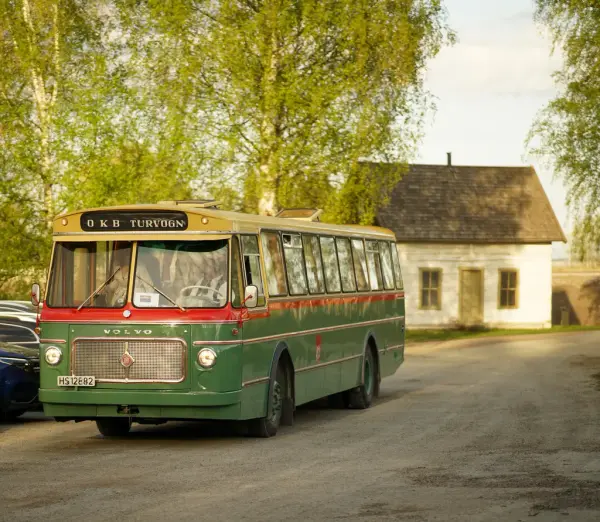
{"points": [[534, 265]]}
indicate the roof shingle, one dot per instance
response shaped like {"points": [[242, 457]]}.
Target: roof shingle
{"points": [[469, 204]]}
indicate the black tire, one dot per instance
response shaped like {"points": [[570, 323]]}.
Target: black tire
{"points": [[113, 426], [361, 397], [267, 426]]}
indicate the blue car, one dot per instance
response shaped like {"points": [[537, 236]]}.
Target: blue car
{"points": [[19, 380]]}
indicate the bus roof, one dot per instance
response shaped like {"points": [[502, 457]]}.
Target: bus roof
{"points": [[219, 222]]}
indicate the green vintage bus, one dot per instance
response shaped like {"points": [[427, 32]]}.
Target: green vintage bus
{"points": [[184, 311]]}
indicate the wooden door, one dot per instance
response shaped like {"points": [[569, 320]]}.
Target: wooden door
{"points": [[471, 296]]}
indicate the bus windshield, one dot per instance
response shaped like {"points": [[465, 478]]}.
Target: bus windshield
{"points": [[190, 274], [82, 269]]}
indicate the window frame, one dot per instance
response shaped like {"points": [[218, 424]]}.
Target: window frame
{"points": [[261, 250], [351, 264], [260, 264], [133, 276], [287, 273], [515, 289], [332, 237], [384, 243], [397, 277], [378, 253], [317, 237], [439, 288]]}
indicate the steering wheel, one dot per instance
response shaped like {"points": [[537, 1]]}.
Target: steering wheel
{"points": [[211, 290]]}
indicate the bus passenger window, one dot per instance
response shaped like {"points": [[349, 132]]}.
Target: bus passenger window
{"points": [[314, 265], [294, 262], [274, 263], [252, 266], [332, 272], [386, 262], [397, 270], [345, 257], [374, 265], [360, 265]]}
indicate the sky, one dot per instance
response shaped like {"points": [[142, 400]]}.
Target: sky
{"points": [[488, 88]]}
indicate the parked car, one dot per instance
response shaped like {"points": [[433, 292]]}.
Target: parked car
{"points": [[17, 306], [19, 328], [19, 380]]}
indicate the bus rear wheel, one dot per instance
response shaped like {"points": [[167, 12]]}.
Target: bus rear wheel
{"points": [[267, 426], [361, 397], [113, 426]]}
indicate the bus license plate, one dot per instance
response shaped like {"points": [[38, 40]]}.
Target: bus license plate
{"points": [[76, 380]]}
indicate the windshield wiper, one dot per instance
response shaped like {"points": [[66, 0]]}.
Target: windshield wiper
{"points": [[161, 293], [99, 288]]}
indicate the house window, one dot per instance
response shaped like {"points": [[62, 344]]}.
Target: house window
{"points": [[508, 284], [431, 288]]}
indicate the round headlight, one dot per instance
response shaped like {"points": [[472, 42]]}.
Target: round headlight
{"points": [[206, 358], [53, 355]]}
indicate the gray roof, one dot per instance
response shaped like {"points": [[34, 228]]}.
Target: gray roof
{"points": [[439, 203]]}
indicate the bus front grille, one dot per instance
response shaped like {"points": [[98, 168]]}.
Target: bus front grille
{"points": [[150, 360]]}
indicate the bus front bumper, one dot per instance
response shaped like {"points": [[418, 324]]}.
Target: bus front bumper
{"points": [[84, 404]]}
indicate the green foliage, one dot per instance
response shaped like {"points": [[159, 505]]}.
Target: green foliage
{"points": [[569, 127], [259, 103]]}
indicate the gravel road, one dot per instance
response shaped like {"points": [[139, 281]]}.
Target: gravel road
{"points": [[486, 430]]}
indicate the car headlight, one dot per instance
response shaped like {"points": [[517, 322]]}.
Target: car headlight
{"points": [[207, 358], [53, 355]]}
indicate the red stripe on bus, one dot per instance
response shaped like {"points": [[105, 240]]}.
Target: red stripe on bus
{"points": [[326, 301], [228, 314]]}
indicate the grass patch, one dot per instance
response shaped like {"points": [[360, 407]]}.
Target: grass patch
{"points": [[450, 334]]}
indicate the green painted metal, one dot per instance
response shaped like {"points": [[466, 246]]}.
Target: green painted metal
{"points": [[326, 344]]}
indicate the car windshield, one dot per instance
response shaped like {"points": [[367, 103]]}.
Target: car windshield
{"points": [[188, 274], [82, 268]]}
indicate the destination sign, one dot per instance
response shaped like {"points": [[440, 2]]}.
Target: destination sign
{"points": [[127, 221]]}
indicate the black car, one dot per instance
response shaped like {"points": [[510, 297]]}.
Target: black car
{"points": [[19, 380], [19, 328]]}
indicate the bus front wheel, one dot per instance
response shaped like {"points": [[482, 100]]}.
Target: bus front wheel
{"points": [[362, 396], [113, 426], [268, 426]]}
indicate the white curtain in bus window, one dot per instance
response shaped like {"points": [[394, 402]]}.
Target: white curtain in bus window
{"points": [[274, 264], [294, 262], [314, 265], [252, 266], [397, 270], [360, 265], [345, 258], [374, 265], [386, 261], [332, 272]]}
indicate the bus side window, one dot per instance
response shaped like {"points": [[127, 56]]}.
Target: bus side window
{"points": [[345, 258], [360, 265], [236, 274], [332, 272], [386, 263], [274, 263], [252, 266], [397, 270], [314, 264], [294, 262], [374, 265]]}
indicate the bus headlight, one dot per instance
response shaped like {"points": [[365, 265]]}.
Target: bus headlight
{"points": [[53, 355], [206, 358]]}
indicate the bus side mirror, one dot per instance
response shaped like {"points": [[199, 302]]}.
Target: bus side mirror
{"points": [[251, 296], [35, 294]]}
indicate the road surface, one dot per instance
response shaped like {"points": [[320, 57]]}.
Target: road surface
{"points": [[486, 430]]}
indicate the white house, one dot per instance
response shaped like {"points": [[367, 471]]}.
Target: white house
{"points": [[475, 245]]}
